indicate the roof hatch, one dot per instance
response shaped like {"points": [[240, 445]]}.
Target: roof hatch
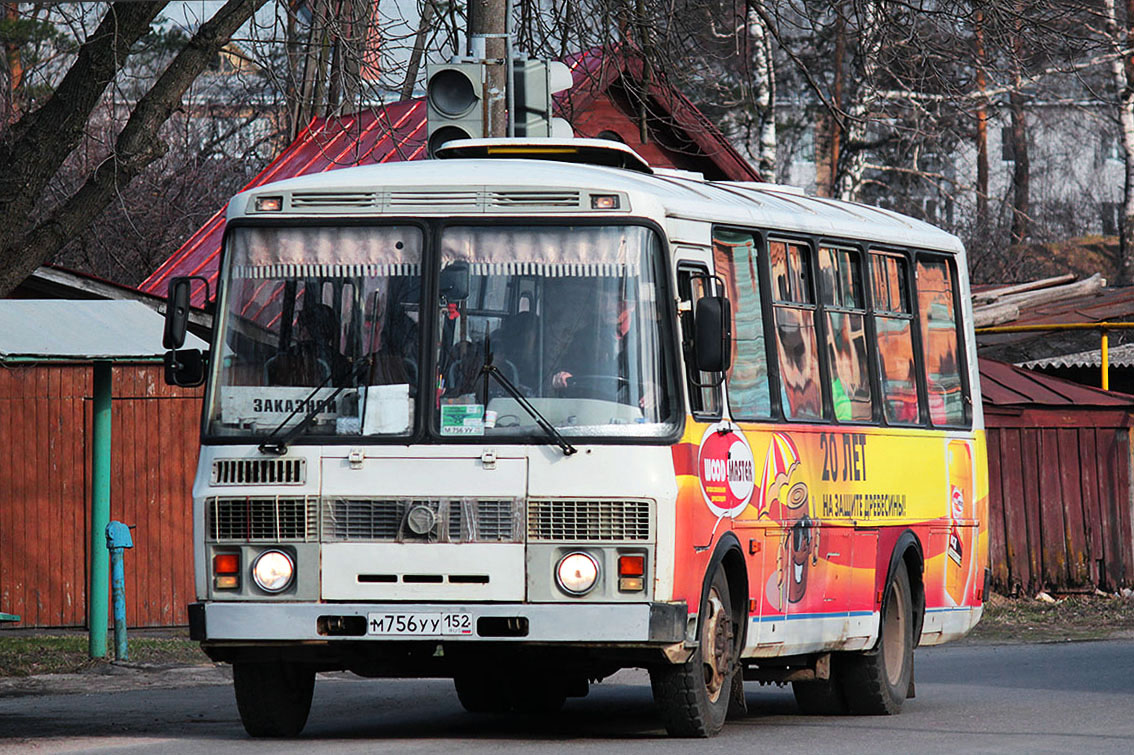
{"points": [[603, 152]]}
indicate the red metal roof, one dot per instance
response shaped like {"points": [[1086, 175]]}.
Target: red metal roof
{"points": [[1002, 384], [397, 132]]}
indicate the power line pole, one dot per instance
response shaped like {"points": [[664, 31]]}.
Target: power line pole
{"points": [[488, 41]]}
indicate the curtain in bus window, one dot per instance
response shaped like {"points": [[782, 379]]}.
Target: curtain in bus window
{"points": [[939, 337], [570, 251], [330, 251], [799, 363], [841, 286], [736, 261]]}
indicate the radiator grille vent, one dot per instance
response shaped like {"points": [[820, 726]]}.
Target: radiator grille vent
{"points": [[259, 472], [434, 198], [534, 199], [445, 520], [266, 519], [601, 521], [332, 200]]}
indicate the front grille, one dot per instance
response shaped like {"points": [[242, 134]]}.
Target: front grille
{"points": [[445, 520], [259, 472], [601, 521], [263, 519]]}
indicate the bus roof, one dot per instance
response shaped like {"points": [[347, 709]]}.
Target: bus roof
{"points": [[471, 186]]}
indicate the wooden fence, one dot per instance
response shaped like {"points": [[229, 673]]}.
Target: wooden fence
{"points": [[1060, 502], [45, 459]]}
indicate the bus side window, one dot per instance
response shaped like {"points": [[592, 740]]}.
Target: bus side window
{"points": [[893, 326], [736, 260], [794, 307], [840, 277], [704, 393], [937, 309]]}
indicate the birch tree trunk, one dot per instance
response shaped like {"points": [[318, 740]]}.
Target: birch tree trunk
{"points": [[763, 91], [849, 183], [1122, 73]]}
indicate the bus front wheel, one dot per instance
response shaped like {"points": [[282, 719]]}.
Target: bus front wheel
{"points": [[274, 699], [693, 697], [876, 682]]}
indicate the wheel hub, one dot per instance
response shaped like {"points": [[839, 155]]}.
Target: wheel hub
{"points": [[716, 646]]}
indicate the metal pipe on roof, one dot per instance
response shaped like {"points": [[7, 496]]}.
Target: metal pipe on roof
{"points": [[1104, 351]]}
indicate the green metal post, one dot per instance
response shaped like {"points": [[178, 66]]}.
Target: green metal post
{"points": [[97, 602]]}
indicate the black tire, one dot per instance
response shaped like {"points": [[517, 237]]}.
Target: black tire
{"points": [[819, 697], [876, 682], [693, 697], [274, 699]]}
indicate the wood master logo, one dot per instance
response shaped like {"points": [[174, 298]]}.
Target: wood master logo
{"points": [[726, 469]]}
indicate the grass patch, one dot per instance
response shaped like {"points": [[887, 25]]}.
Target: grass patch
{"points": [[1077, 617], [39, 654]]}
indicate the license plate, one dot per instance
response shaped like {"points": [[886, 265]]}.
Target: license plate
{"points": [[419, 624]]}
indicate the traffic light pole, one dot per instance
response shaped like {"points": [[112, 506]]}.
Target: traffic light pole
{"points": [[488, 40]]}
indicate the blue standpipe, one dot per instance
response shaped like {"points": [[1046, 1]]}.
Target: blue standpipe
{"points": [[118, 539]]}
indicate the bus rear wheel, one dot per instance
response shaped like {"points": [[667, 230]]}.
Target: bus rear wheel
{"points": [[876, 682], [694, 696], [274, 699]]}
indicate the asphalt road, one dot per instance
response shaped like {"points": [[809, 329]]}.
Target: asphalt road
{"points": [[1070, 697]]}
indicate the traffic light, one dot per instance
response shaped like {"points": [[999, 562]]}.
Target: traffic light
{"points": [[534, 82], [454, 96]]}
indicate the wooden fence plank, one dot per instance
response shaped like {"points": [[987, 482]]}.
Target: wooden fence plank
{"points": [[1074, 532], [997, 545]]}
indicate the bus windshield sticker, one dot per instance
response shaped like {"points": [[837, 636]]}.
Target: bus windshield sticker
{"points": [[462, 419]]}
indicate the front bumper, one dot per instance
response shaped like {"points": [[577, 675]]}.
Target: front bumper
{"points": [[577, 624]]}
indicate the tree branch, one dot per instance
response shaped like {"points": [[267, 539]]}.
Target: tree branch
{"points": [[137, 146]]}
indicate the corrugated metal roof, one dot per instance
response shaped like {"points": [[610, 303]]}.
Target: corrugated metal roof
{"points": [[63, 329], [1119, 356], [1003, 384], [397, 133]]}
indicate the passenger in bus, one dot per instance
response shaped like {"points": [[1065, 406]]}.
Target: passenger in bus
{"points": [[516, 351], [395, 339], [314, 356], [594, 364]]}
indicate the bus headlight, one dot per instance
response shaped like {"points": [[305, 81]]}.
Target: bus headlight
{"points": [[577, 573], [273, 571]]}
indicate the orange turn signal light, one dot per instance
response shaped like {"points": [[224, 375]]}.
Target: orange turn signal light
{"points": [[226, 563], [631, 566]]}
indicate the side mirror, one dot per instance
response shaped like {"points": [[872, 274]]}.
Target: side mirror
{"points": [[184, 367], [176, 313], [454, 281], [712, 322]]}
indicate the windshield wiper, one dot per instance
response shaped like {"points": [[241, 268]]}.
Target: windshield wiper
{"points": [[491, 370], [279, 447]]}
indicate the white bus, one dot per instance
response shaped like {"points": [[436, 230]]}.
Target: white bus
{"points": [[535, 412]]}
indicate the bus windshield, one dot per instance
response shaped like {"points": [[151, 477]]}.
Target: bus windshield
{"points": [[320, 320], [321, 333], [571, 316]]}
